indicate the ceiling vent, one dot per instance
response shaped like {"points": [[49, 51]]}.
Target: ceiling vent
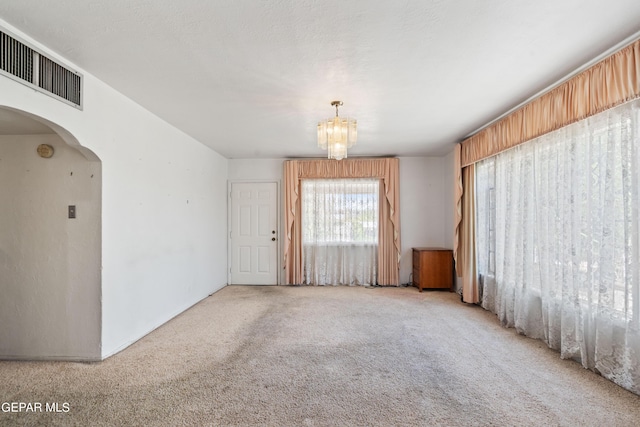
{"points": [[28, 66]]}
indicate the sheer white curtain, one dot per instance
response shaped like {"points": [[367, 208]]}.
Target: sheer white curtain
{"points": [[558, 241], [340, 231]]}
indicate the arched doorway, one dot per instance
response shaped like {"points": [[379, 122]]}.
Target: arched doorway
{"points": [[50, 242]]}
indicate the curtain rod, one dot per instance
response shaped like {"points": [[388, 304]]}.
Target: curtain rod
{"points": [[616, 48]]}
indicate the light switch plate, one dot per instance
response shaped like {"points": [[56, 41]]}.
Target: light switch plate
{"points": [[72, 211]]}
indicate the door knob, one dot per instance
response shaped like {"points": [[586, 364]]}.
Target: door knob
{"points": [[273, 231], [273, 239]]}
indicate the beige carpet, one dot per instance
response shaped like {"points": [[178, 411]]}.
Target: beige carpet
{"points": [[323, 356]]}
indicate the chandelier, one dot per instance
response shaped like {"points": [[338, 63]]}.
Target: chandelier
{"points": [[336, 134]]}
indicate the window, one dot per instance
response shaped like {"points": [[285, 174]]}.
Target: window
{"points": [[558, 240], [340, 210], [340, 230]]}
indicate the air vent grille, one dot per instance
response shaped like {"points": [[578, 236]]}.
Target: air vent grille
{"points": [[30, 67], [58, 80], [16, 58]]}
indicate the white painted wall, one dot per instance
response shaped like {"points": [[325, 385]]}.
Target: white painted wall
{"points": [[163, 205], [448, 183], [256, 169], [49, 264], [449, 206], [422, 214], [424, 202]]}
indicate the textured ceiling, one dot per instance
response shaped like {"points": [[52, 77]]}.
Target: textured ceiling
{"points": [[251, 78]]}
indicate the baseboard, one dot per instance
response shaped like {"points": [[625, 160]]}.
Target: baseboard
{"points": [[88, 359]]}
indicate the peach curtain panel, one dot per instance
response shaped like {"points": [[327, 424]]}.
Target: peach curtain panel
{"points": [[458, 189], [466, 262], [293, 234], [386, 169], [608, 83]]}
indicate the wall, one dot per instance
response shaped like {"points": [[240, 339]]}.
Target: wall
{"points": [[424, 204], [256, 169], [449, 182], [49, 264], [422, 211], [166, 214], [163, 205]]}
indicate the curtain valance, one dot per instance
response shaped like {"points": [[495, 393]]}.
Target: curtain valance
{"points": [[346, 168], [610, 82], [385, 169]]}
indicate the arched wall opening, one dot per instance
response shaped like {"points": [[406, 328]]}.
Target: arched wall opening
{"points": [[50, 263]]}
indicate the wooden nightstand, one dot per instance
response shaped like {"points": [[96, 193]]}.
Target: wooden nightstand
{"points": [[433, 268]]}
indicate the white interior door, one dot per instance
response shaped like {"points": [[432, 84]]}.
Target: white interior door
{"points": [[254, 233]]}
